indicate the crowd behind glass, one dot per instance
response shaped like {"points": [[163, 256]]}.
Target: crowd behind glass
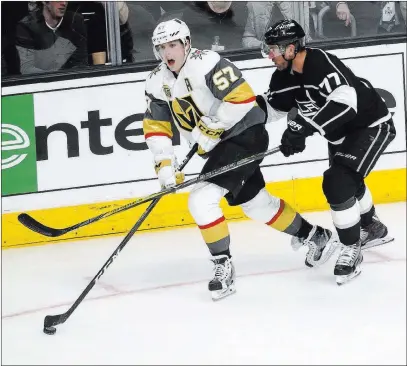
{"points": [[44, 37]]}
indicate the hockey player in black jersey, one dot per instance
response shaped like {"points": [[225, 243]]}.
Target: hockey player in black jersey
{"points": [[350, 114]]}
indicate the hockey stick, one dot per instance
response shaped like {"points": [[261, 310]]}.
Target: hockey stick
{"points": [[32, 224], [51, 321]]}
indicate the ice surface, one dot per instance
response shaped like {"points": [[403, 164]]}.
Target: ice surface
{"points": [[152, 305]]}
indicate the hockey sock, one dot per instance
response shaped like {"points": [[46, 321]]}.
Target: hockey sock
{"points": [[367, 209], [286, 219], [216, 236], [367, 218], [304, 230], [225, 252]]}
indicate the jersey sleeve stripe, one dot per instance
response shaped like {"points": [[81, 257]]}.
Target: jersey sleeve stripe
{"points": [[333, 115], [252, 99], [156, 128], [333, 65], [151, 134], [336, 117], [241, 94]]}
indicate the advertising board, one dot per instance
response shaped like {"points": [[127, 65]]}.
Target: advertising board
{"points": [[95, 133]]}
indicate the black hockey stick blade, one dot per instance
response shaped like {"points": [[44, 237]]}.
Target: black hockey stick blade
{"points": [[51, 321], [34, 225], [202, 177]]}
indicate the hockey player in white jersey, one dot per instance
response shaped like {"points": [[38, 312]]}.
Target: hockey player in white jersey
{"points": [[210, 103], [353, 118]]}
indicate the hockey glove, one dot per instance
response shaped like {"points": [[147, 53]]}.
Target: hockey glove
{"points": [[202, 153], [293, 139], [168, 175], [207, 134]]}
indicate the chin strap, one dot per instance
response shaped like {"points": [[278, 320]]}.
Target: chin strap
{"points": [[186, 55], [290, 62], [295, 54]]}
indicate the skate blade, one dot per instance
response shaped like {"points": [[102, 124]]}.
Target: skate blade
{"points": [[377, 242], [341, 280], [327, 253], [220, 294]]}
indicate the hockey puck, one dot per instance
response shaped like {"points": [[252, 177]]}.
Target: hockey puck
{"points": [[50, 330]]}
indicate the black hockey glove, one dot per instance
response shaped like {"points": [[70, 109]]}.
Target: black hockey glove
{"points": [[293, 139], [292, 142]]}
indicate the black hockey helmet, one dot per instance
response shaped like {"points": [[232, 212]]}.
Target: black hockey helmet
{"points": [[283, 33]]}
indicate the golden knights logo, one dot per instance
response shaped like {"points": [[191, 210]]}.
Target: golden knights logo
{"points": [[185, 112], [198, 54]]}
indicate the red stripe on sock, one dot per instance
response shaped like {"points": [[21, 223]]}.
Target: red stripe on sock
{"points": [[218, 221], [277, 215]]}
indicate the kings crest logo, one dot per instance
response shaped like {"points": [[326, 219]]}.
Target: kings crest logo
{"points": [[198, 54], [308, 108], [186, 112], [167, 91]]}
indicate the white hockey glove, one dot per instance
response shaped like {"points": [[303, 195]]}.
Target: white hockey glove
{"points": [[207, 133], [167, 173]]}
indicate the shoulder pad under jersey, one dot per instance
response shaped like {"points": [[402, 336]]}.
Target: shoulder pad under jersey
{"points": [[154, 81], [202, 61]]}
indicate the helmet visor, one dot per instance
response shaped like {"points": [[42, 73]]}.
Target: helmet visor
{"points": [[159, 51], [271, 51]]}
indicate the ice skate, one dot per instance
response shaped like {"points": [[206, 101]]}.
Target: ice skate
{"points": [[347, 266], [322, 243], [374, 234], [223, 282]]}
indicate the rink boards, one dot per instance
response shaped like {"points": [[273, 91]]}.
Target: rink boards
{"points": [[75, 150]]}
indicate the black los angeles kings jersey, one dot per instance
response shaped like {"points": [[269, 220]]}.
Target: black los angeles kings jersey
{"points": [[328, 95]]}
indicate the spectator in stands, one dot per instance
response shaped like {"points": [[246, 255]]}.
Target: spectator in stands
{"points": [[403, 9], [11, 13], [260, 17], [209, 22], [51, 39], [372, 17], [223, 22], [126, 35], [142, 22], [216, 25], [93, 13], [392, 20]]}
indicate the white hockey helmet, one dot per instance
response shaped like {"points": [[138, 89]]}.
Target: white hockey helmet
{"points": [[170, 30]]}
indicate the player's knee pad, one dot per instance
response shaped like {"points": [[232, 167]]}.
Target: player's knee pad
{"points": [[262, 207], [203, 202], [340, 184]]}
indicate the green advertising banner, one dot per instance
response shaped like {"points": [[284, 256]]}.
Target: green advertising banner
{"points": [[18, 150]]}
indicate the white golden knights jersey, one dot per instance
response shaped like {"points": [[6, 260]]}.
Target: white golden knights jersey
{"points": [[330, 99], [207, 85]]}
